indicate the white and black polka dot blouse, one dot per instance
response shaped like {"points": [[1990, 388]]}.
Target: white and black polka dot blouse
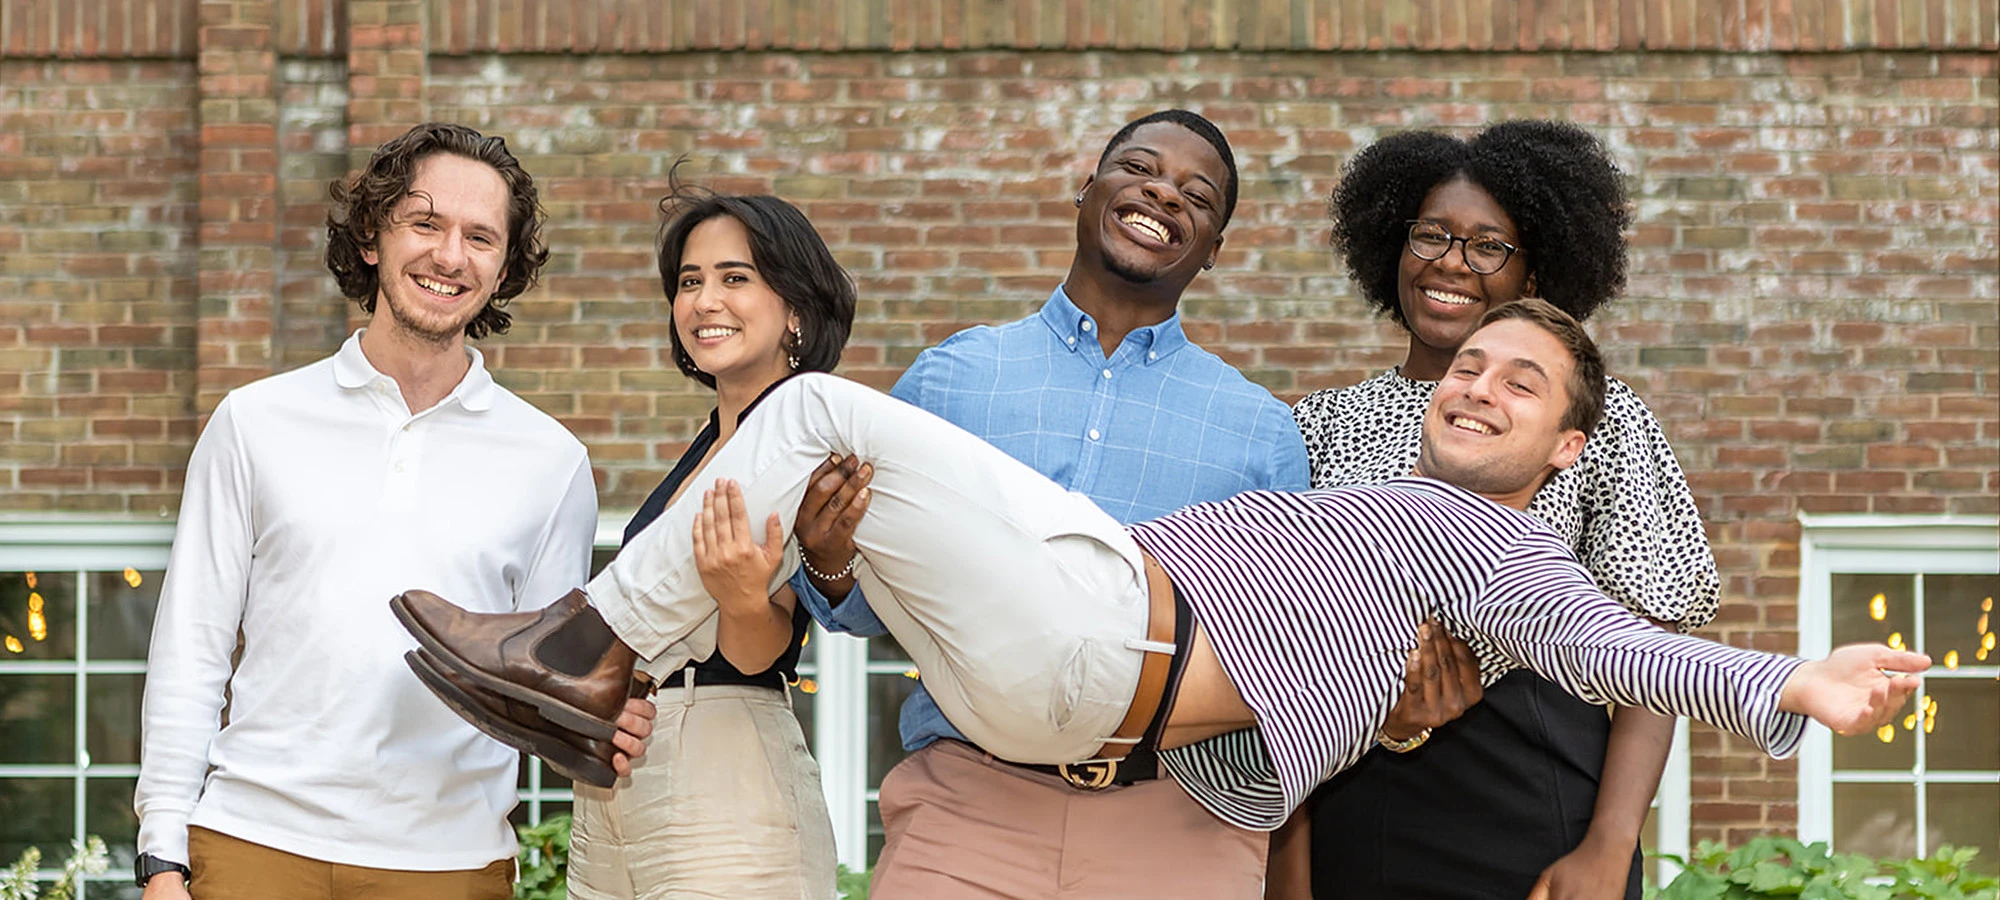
{"points": [[1624, 506]]}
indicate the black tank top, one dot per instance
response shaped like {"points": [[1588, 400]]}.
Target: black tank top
{"points": [[716, 669]]}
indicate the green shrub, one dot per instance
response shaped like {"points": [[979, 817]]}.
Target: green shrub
{"points": [[1783, 867], [86, 858], [544, 860], [851, 885]]}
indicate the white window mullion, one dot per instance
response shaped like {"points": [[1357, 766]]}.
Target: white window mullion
{"points": [[840, 725]]}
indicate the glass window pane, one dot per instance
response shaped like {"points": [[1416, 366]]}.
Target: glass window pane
{"points": [[112, 729], [121, 613], [107, 813], [115, 884], [36, 812], [599, 558], [885, 743], [1959, 619], [38, 719], [874, 834], [1859, 616], [885, 649], [552, 781], [1965, 815], [38, 615], [1894, 749], [1875, 819], [111, 889], [1965, 722], [809, 650]]}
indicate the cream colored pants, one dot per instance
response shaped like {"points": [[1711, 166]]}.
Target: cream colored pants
{"points": [[1023, 604], [725, 805]]}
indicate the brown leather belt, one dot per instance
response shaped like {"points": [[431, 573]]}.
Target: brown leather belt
{"points": [[1153, 669]]}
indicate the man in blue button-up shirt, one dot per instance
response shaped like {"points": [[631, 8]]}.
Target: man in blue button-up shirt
{"points": [[1102, 392]]}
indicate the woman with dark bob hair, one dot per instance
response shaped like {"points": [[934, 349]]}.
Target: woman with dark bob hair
{"points": [[726, 802], [1530, 787]]}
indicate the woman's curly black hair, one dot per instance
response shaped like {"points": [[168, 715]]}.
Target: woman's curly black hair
{"points": [[361, 207], [1565, 195]]}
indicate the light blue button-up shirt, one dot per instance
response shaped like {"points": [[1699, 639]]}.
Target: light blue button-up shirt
{"points": [[1160, 425]]}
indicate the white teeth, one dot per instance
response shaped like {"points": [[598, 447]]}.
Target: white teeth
{"points": [[714, 331], [1146, 223], [1449, 298], [1466, 424], [438, 287]]}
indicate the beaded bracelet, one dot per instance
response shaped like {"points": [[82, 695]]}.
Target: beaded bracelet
{"points": [[807, 562]]}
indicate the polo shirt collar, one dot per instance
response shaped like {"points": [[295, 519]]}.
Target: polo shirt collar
{"points": [[1074, 328], [352, 370]]}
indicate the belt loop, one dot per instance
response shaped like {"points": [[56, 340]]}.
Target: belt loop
{"points": [[687, 686]]}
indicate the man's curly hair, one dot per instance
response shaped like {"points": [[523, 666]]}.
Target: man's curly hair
{"points": [[1565, 195], [361, 207]]}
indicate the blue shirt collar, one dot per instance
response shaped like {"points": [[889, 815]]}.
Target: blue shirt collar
{"points": [[1074, 328]]}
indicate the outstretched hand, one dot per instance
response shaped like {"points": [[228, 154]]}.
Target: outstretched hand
{"points": [[735, 569], [1855, 689], [1440, 682]]}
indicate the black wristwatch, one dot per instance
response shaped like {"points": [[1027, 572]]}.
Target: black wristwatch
{"points": [[148, 865]]}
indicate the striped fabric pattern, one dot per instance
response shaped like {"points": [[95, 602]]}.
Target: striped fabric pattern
{"points": [[1312, 601]]}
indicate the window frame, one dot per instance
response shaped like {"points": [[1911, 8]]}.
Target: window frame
{"points": [[1832, 544], [79, 544]]}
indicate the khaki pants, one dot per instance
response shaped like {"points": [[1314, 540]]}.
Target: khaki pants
{"points": [[725, 805], [228, 868], [960, 825]]}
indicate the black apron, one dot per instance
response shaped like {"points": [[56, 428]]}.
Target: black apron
{"points": [[1476, 813]]}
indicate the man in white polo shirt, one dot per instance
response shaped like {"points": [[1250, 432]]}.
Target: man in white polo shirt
{"points": [[396, 461]]}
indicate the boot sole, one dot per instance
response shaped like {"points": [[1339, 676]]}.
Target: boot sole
{"points": [[566, 759], [556, 711]]}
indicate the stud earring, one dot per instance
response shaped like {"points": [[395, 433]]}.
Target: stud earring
{"points": [[1079, 200]]}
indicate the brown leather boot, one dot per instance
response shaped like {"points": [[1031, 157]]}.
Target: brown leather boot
{"points": [[516, 724], [562, 661]]}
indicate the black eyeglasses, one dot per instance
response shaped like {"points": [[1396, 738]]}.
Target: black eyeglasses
{"points": [[1484, 255]]}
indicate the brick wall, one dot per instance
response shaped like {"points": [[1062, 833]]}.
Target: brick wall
{"points": [[1814, 310]]}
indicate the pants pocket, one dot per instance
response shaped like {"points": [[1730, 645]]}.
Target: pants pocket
{"points": [[1069, 686]]}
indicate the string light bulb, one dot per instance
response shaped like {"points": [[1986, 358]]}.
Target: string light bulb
{"points": [[132, 577], [1878, 607], [31, 585], [1895, 640], [1951, 659], [1886, 734], [14, 644]]}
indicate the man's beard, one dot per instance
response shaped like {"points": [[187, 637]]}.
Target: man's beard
{"points": [[1484, 475], [438, 332]]}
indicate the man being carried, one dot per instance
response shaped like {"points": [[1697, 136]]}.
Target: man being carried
{"points": [[1036, 618]]}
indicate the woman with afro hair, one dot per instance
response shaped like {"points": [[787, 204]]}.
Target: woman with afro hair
{"points": [[1530, 789]]}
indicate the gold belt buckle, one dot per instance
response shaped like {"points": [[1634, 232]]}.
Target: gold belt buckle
{"points": [[1094, 775]]}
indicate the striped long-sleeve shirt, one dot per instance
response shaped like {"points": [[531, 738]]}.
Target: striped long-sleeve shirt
{"points": [[1313, 600]]}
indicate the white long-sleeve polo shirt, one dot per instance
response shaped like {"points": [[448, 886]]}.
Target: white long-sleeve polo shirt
{"points": [[312, 498]]}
